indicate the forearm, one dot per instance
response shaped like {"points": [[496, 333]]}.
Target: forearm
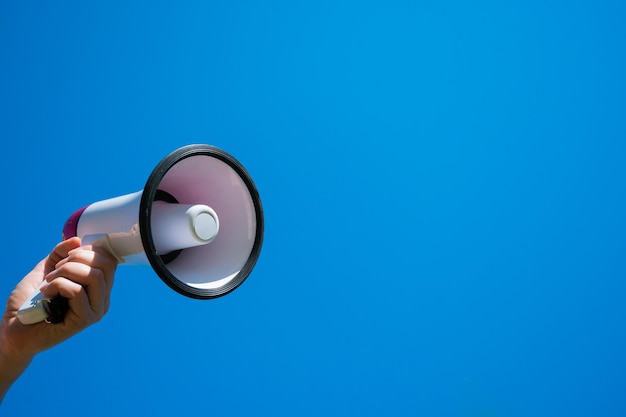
{"points": [[11, 365]]}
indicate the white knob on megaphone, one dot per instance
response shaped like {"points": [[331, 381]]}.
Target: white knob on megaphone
{"points": [[198, 222]]}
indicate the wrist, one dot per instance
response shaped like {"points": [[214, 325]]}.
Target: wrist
{"points": [[12, 362]]}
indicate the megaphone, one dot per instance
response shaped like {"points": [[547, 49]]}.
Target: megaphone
{"points": [[198, 222]]}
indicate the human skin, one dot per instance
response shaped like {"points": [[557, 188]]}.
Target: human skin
{"points": [[82, 274]]}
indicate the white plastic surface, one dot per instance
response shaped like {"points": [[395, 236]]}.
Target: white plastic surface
{"points": [[33, 311], [182, 226], [118, 218]]}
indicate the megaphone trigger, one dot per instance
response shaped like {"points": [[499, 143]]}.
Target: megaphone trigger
{"points": [[102, 241]]}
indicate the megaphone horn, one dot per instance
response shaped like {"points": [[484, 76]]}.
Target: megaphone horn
{"points": [[198, 222]]}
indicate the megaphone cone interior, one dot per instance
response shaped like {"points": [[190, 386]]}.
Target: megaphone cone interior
{"points": [[198, 222]]}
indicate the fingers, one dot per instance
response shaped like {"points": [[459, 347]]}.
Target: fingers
{"points": [[82, 312], [33, 280], [60, 252], [89, 256], [84, 276]]}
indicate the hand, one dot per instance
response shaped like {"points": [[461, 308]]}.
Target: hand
{"points": [[83, 275]]}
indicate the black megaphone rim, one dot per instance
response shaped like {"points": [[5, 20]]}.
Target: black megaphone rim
{"points": [[145, 210]]}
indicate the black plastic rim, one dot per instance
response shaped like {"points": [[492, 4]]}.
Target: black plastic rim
{"points": [[145, 211]]}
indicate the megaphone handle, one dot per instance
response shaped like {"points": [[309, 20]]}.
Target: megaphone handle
{"points": [[57, 308]]}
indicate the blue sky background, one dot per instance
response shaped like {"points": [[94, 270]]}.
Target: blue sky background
{"points": [[443, 185]]}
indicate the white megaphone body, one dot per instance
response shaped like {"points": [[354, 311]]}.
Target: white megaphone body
{"points": [[198, 222]]}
